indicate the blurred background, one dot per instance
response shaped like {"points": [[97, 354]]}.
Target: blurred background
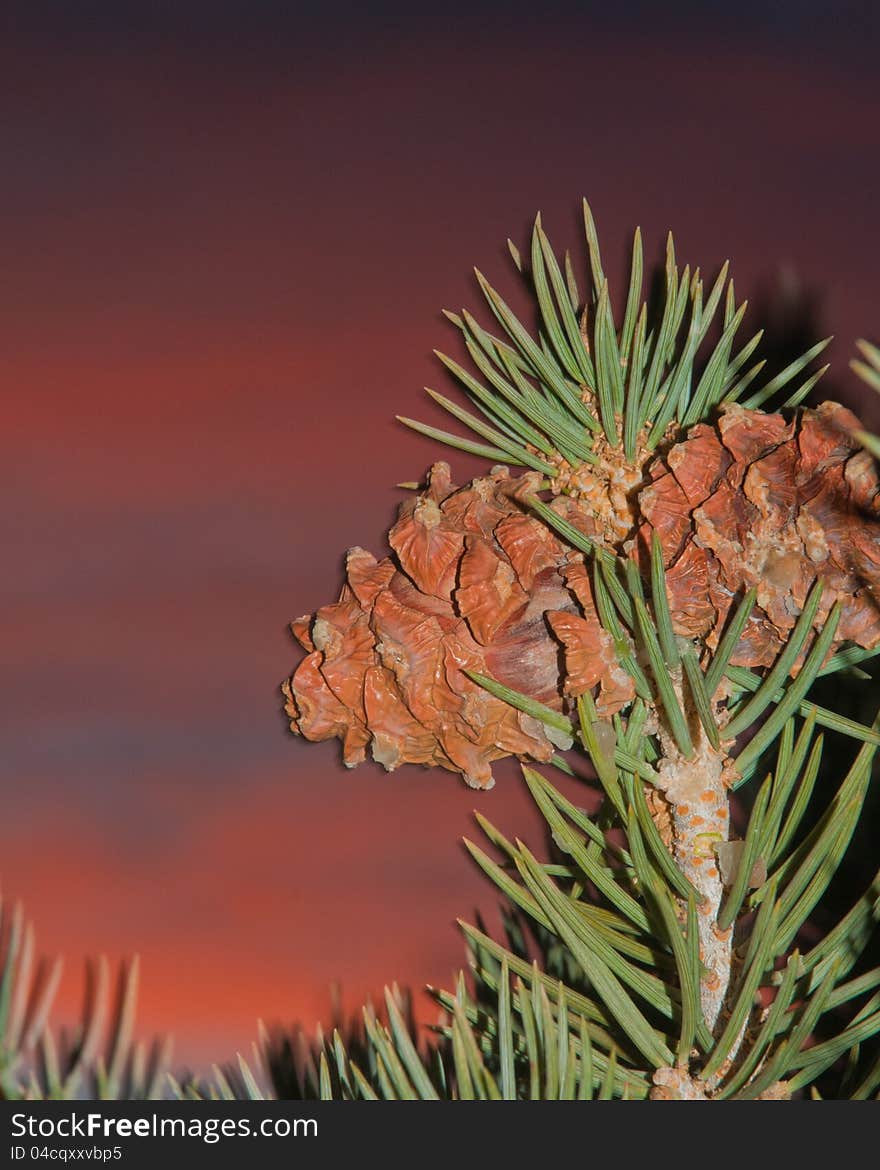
{"points": [[227, 234]]}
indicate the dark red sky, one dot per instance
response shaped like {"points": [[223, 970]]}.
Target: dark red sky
{"points": [[228, 233]]}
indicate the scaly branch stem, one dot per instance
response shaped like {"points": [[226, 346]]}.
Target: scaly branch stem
{"points": [[696, 793], [701, 820]]}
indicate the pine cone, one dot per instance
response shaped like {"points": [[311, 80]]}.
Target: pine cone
{"points": [[479, 584], [757, 500]]}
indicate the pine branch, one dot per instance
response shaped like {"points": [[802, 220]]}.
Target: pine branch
{"points": [[660, 590], [98, 1059]]}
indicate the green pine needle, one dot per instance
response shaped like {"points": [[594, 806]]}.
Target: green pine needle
{"points": [[665, 690], [782, 667], [785, 376]]}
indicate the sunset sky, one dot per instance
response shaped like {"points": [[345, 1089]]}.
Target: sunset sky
{"points": [[228, 232]]}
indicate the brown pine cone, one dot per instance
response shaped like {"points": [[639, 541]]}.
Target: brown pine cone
{"points": [[755, 500], [477, 583]]}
